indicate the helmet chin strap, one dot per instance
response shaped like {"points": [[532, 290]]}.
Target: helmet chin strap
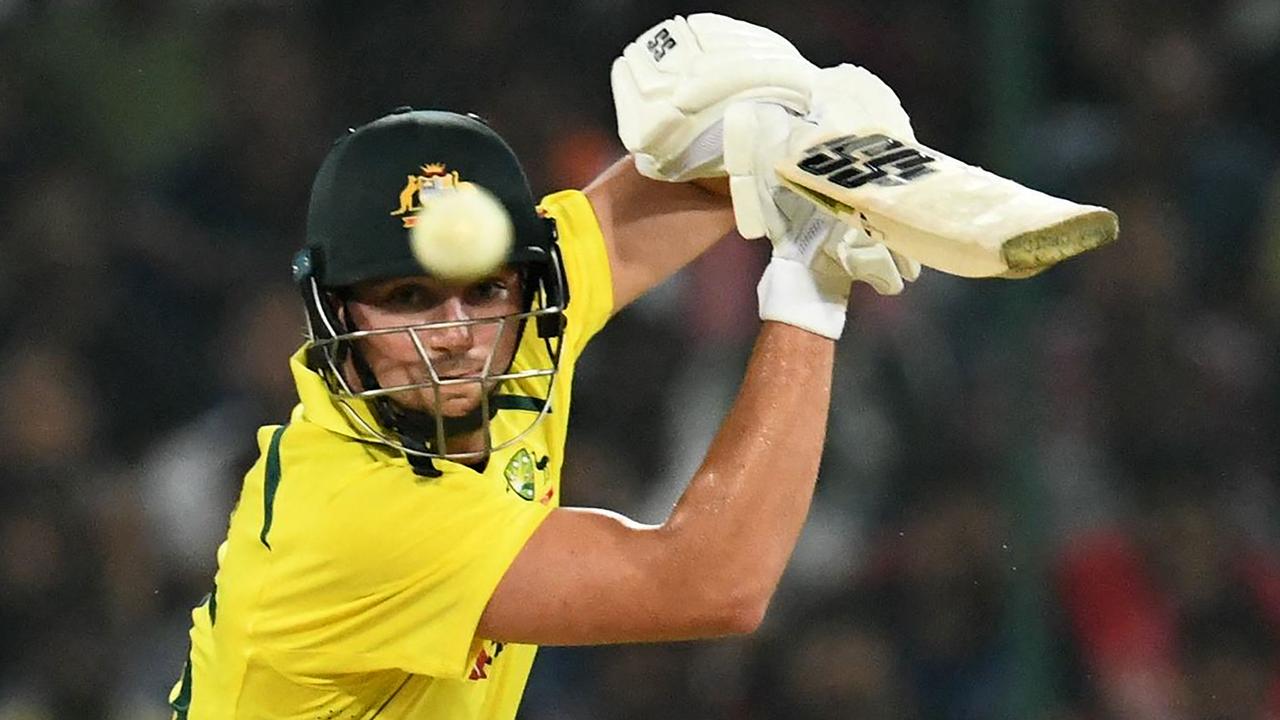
{"points": [[413, 427], [420, 424]]}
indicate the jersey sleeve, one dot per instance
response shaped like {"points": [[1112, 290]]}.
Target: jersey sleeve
{"points": [[586, 265], [397, 578]]}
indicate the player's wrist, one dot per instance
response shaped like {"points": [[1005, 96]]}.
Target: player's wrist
{"points": [[791, 292]]}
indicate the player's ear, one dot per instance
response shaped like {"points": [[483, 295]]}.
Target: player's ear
{"points": [[339, 302]]}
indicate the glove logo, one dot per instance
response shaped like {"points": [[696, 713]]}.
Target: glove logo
{"points": [[660, 44], [853, 161], [434, 179]]}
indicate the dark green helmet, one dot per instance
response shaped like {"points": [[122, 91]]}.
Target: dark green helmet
{"points": [[375, 177]]}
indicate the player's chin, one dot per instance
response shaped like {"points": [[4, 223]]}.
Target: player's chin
{"points": [[459, 405], [454, 401]]}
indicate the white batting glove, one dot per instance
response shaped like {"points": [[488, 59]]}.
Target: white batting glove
{"points": [[673, 83], [757, 135], [851, 100], [846, 99], [814, 265], [802, 285], [867, 260]]}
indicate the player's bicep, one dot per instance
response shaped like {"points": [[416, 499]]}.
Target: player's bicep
{"points": [[588, 577]]}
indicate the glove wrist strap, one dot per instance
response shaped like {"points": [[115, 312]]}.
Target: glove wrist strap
{"points": [[790, 293]]}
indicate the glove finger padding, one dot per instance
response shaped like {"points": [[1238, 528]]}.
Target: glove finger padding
{"points": [[672, 84], [848, 99], [908, 268], [868, 260], [869, 263], [756, 136], [753, 134]]}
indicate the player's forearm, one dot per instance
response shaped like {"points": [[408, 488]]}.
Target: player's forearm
{"points": [[738, 521], [652, 228]]}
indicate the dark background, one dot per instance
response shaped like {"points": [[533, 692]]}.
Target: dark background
{"points": [[1047, 499]]}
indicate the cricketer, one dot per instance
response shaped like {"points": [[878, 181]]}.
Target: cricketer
{"points": [[398, 550]]}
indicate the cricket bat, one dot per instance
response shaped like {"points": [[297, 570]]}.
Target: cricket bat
{"points": [[944, 213]]}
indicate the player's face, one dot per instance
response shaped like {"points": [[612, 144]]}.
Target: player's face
{"points": [[455, 352]]}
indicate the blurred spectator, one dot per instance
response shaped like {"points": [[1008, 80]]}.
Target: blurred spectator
{"points": [[943, 586], [1176, 615], [55, 609], [846, 662]]}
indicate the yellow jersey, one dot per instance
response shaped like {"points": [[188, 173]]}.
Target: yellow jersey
{"points": [[351, 587]]}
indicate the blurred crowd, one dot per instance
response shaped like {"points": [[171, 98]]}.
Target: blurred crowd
{"points": [[1051, 499]]}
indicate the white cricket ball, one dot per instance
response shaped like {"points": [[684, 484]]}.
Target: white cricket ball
{"points": [[462, 234]]}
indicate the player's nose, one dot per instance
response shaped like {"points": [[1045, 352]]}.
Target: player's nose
{"points": [[455, 336]]}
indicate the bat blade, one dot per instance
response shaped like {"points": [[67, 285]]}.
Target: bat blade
{"points": [[948, 215]]}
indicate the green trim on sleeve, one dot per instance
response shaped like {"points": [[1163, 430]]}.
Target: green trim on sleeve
{"points": [[270, 484], [518, 402], [181, 704]]}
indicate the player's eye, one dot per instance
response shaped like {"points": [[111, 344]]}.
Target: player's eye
{"points": [[488, 291], [409, 296]]}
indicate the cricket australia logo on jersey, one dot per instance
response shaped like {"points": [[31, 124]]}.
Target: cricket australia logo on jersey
{"points": [[418, 190], [521, 474], [855, 160]]}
